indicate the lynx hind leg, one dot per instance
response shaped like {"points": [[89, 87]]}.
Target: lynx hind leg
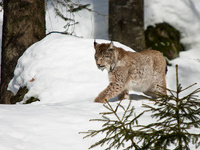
{"points": [[123, 95], [161, 86], [157, 88]]}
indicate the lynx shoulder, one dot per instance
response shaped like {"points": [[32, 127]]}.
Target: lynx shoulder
{"points": [[139, 71]]}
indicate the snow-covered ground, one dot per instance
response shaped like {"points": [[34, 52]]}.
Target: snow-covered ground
{"points": [[66, 80], [60, 70]]}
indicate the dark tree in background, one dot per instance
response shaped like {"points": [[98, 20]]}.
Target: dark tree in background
{"points": [[126, 22], [23, 25]]}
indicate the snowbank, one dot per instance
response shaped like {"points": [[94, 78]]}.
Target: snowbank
{"points": [[61, 67], [184, 15]]}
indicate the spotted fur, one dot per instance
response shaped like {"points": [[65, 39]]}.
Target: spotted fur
{"points": [[140, 71]]}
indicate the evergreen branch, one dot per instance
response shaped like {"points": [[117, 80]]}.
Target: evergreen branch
{"points": [[189, 87], [115, 113], [125, 111], [118, 106], [133, 143]]}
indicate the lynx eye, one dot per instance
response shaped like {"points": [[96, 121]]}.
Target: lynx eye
{"points": [[106, 56]]}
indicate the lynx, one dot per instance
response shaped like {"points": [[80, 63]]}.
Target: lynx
{"points": [[139, 71]]}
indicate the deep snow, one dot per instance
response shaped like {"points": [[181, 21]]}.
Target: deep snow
{"points": [[66, 80]]}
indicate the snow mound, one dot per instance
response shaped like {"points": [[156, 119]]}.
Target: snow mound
{"points": [[184, 16], [60, 68]]}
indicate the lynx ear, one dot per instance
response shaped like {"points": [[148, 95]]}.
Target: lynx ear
{"points": [[95, 44], [111, 46]]}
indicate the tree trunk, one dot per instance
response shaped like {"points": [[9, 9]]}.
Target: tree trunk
{"points": [[126, 23], [23, 25]]}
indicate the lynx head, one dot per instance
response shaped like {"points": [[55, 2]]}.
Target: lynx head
{"points": [[105, 56]]}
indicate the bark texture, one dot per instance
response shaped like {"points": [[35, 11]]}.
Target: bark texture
{"points": [[23, 25], [126, 23]]}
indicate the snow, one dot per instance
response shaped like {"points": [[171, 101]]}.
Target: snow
{"points": [[184, 15], [60, 70], [66, 80]]}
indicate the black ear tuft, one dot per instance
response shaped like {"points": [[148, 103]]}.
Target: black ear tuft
{"points": [[95, 43], [111, 46]]}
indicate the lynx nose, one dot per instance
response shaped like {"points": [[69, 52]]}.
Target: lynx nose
{"points": [[99, 60]]}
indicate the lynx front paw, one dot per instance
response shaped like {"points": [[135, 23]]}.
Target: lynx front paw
{"points": [[123, 95], [99, 100]]}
